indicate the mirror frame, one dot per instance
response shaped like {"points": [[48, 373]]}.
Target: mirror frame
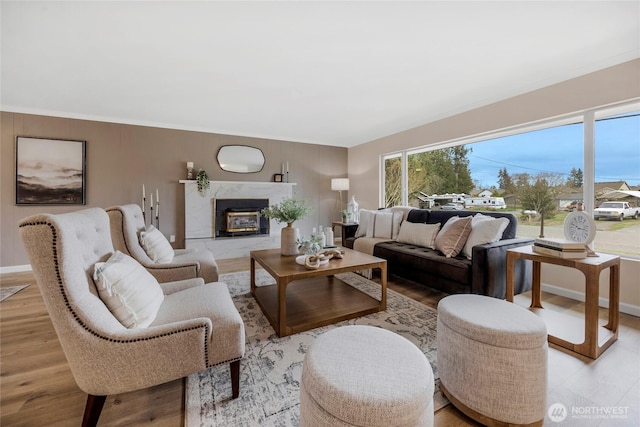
{"points": [[235, 166]]}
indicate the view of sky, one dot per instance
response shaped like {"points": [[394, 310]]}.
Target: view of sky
{"points": [[559, 149]]}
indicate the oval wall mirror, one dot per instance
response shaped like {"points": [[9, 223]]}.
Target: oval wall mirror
{"points": [[240, 159]]}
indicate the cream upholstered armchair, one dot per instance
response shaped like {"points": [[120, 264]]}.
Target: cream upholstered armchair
{"points": [[172, 329], [127, 224]]}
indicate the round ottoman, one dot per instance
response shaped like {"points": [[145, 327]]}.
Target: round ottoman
{"points": [[365, 376], [492, 359]]}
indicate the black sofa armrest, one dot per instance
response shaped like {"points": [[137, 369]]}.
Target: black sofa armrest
{"points": [[489, 268]]}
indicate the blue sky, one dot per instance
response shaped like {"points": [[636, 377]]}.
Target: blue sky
{"points": [[560, 149]]}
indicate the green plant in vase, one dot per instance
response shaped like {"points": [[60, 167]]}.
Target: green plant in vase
{"points": [[288, 211], [202, 180]]}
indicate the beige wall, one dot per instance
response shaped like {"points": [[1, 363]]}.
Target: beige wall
{"points": [[608, 86], [120, 158]]}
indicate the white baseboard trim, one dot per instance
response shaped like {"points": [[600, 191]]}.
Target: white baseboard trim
{"points": [[633, 310], [15, 269]]}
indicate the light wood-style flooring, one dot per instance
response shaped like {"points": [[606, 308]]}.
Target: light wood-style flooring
{"points": [[37, 388]]}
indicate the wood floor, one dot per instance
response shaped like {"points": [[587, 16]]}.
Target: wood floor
{"points": [[37, 388]]}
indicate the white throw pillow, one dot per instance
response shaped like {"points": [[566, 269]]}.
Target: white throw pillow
{"points": [[484, 229], [383, 225], [366, 216], [156, 245], [397, 222], [130, 292], [416, 233]]}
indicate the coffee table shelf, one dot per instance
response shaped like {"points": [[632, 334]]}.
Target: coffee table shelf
{"points": [[305, 299]]}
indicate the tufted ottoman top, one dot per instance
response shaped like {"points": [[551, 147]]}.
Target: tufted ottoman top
{"points": [[492, 321], [365, 375]]}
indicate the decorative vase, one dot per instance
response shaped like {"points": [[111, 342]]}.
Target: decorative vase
{"points": [[288, 240], [354, 209]]}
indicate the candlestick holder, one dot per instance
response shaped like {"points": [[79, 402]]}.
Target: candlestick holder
{"points": [[144, 211]]}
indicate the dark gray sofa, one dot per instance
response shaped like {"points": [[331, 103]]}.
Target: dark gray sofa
{"points": [[484, 274]]}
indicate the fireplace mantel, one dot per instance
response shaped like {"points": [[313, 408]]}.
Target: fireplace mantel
{"points": [[199, 215]]}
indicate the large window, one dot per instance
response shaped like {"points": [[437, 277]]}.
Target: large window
{"points": [[393, 180], [550, 170], [617, 178]]}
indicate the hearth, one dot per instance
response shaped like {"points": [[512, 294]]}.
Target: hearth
{"points": [[240, 217]]}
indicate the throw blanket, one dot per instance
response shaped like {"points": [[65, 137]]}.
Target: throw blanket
{"points": [[365, 245]]}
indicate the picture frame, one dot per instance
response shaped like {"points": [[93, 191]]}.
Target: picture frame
{"points": [[50, 171], [277, 177]]}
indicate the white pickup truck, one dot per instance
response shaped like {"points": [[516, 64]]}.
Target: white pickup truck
{"points": [[616, 210]]}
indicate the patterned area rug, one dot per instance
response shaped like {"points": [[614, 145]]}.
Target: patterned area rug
{"points": [[6, 292], [271, 369]]}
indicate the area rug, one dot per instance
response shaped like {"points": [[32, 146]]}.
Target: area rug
{"points": [[6, 292], [271, 369]]}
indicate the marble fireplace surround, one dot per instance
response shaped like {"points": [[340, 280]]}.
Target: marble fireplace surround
{"points": [[199, 216]]}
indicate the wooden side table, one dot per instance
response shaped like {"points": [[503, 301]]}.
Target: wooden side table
{"points": [[343, 226], [586, 338]]}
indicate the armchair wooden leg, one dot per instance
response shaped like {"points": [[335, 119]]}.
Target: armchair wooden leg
{"points": [[92, 410], [235, 378]]}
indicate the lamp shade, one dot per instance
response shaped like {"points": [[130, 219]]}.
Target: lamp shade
{"points": [[340, 184]]}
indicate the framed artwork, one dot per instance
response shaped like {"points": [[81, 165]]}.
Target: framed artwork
{"points": [[277, 177], [50, 171]]}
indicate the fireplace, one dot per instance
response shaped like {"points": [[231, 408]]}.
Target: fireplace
{"points": [[240, 220], [240, 217]]}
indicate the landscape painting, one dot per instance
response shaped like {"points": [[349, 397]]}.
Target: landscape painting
{"points": [[50, 171]]}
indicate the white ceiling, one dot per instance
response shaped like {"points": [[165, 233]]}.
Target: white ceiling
{"points": [[334, 73]]}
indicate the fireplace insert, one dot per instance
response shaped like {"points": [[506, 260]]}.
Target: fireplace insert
{"points": [[240, 217]]}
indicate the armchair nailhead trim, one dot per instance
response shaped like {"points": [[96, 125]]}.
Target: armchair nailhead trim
{"points": [[54, 249]]}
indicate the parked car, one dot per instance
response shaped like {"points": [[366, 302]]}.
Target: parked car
{"points": [[573, 205], [616, 210], [452, 207]]}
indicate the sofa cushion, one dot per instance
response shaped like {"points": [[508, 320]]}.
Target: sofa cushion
{"points": [[130, 292], [484, 229], [366, 216], [156, 245], [418, 234], [453, 235], [411, 258], [382, 225], [434, 216]]}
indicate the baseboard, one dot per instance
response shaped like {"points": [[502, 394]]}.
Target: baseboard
{"points": [[633, 310], [15, 269]]}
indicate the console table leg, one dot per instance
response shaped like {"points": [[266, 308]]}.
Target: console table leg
{"points": [[614, 299], [536, 287]]}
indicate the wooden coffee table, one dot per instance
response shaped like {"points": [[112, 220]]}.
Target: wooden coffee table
{"points": [[304, 299]]}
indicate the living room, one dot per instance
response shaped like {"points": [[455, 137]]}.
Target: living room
{"points": [[123, 153]]}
